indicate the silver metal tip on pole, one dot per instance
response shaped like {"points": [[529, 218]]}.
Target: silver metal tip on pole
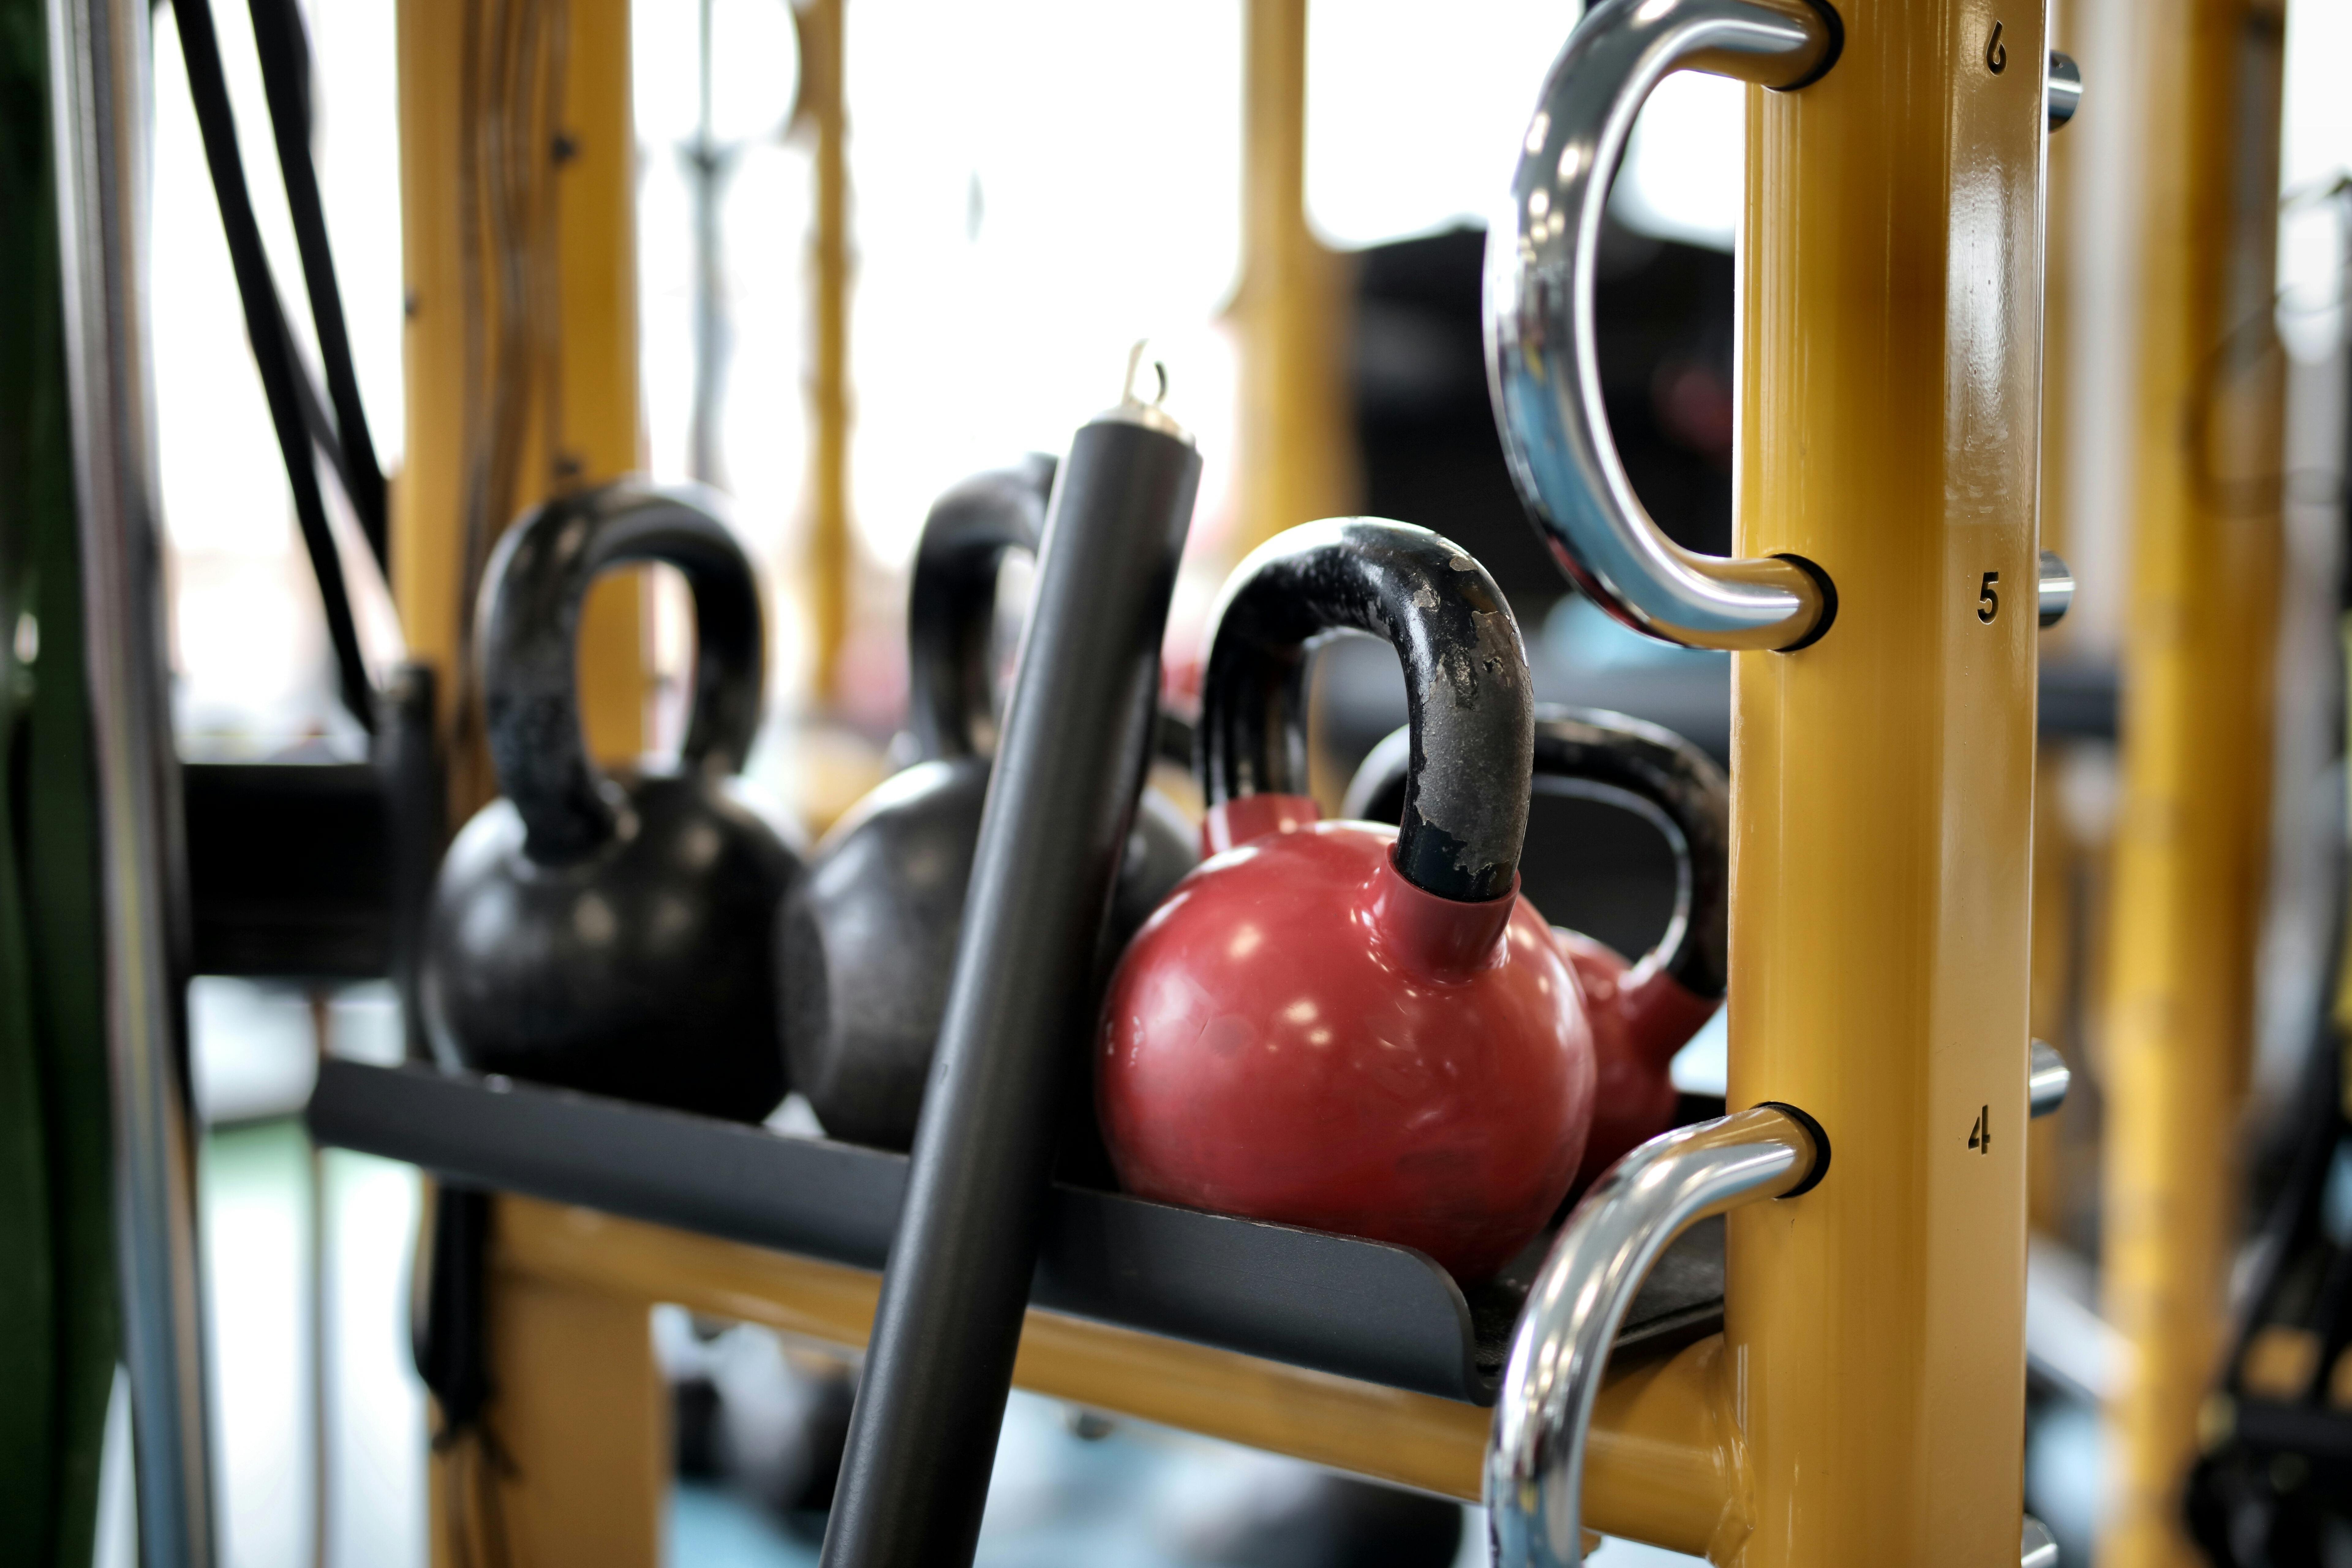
{"points": [[2034, 1547], [1134, 410], [1135, 364]]}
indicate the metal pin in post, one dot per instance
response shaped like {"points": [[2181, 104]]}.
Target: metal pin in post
{"points": [[1134, 409]]}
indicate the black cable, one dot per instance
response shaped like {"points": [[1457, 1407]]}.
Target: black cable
{"points": [[273, 345], [320, 423], [285, 54]]}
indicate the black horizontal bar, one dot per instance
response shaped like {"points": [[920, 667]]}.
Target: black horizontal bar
{"points": [[1333, 1303], [2272, 1427], [288, 869], [1358, 1308]]}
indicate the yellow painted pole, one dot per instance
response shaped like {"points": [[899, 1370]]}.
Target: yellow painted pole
{"points": [[821, 119], [2191, 836], [575, 373], [1890, 286], [1414, 1439], [583, 1422], [1664, 1466], [596, 352], [1290, 313], [427, 493], [518, 189]]}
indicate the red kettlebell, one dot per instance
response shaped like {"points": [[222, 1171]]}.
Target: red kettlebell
{"points": [[1642, 1012], [1338, 1024]]}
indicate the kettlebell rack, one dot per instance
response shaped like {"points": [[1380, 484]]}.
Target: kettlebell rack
{"points": [[1834, 1379], [1368, 1357], [1332, 1304]]}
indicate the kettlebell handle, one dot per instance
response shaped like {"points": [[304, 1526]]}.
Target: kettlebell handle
{"points": [[1464, 818], [528, 634], [952, 600], [1646, 769]]}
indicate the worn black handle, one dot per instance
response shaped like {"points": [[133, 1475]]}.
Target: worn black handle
{"points": [[1465, 815], [951, 601], [529, 623], [1648, 770]]}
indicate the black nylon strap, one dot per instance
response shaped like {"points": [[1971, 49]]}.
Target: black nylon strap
{"points": [[285, 54], [273, 345]]}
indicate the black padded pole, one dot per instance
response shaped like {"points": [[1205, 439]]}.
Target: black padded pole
{"points": [[1072, 758]]}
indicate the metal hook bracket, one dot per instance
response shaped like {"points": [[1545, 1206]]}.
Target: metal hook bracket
{"points": [[1542, 369]]}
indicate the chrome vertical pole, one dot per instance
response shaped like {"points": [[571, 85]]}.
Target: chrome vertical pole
{"points": [[99, 94]]}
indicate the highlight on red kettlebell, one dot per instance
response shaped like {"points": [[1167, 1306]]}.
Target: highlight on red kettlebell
{"points": [[1341, 1024]]}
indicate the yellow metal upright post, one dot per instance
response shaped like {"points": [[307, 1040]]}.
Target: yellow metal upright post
{"points": [[428, 491], [1890, 286], [1290, 312], [596, 432], [573, 374], [518, 202], [2191, 836], [820, 116]]}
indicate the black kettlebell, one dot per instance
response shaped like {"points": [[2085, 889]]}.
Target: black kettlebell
{"points": [[868, 938], [603, 935]]}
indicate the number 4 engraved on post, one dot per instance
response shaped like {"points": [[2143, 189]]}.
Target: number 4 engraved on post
{"points": [[1981, 1134]]}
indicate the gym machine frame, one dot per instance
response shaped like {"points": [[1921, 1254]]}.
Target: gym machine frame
{"points": [[2192, 823], [99, 57], [1866, 1393], [1864, 1397]]}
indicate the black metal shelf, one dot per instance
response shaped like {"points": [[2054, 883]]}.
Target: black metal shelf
{"points": [[290, 868], [1336, 1304]]}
